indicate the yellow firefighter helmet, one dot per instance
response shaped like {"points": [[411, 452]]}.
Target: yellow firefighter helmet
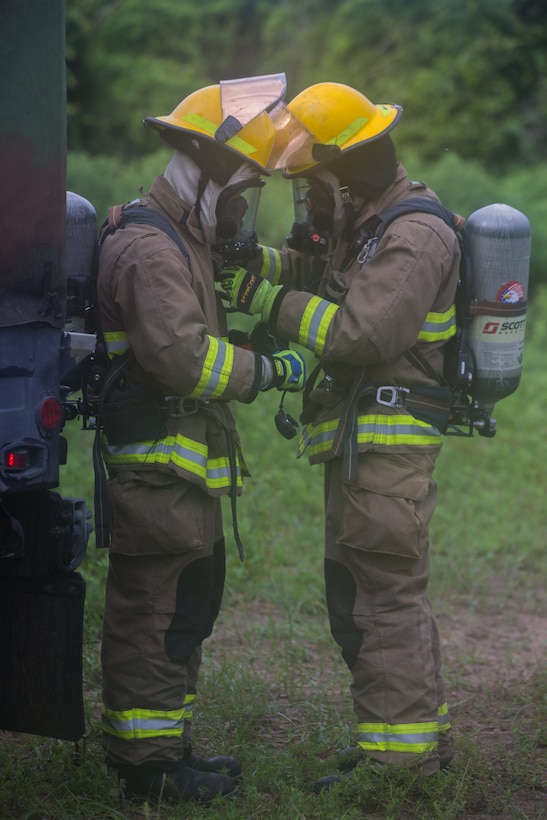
{"points": [[340, 119], [202, 115]]}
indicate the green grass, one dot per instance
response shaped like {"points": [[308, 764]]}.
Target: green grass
{"points": [[274, 690]]}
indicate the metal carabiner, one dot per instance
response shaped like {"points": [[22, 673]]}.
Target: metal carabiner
{"points": [[396, 395]]}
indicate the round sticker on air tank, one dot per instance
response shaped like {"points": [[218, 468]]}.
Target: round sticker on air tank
{"points": [[510, 293]]}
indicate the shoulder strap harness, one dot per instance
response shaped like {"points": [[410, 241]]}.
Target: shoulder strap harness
{"points": [[118, 217], [426, 402]]}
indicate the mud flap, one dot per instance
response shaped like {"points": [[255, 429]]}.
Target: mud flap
{"points": [[40, 655]]}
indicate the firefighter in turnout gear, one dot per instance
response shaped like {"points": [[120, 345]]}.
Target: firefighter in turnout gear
{"points": [[377, 318], [170, 443]]}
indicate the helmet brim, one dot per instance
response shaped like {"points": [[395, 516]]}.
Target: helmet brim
{"points": [[176, 136]]}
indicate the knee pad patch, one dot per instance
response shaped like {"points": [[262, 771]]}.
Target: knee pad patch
{"points": [[193, 618], [340, 592]]}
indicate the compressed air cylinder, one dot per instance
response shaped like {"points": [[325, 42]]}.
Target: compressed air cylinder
{"points": [[81, 238], [499, 241]]}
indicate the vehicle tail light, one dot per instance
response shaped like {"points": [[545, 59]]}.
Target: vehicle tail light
{"points": [[50, 415], [15, 460]]}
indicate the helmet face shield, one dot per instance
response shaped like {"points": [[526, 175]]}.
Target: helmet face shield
{"points": [[244, 99], [293, 141], [300, 189], [236, 213]]}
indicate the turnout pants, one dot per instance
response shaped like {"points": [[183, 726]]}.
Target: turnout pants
{"points": [[163, 593], [376, 575]]}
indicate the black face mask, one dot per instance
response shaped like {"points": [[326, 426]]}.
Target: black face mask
{"points": [[230, 215], [236, 210], [320, 205]]}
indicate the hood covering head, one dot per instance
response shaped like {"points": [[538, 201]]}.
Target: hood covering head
{"points": [[353, 179], [369, 169], [185, 178]]}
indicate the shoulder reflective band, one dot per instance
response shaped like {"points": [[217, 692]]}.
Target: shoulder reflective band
{"points": [[438, 326]]}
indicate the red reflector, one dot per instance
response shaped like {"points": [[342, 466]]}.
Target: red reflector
{"points": [[51, 414], [17, 460]]}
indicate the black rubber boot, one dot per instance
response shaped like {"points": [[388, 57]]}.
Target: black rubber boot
{"points": [[349, 757], [446, 761], [221, 764], [330, 780], [178, 786], [348, 762]]}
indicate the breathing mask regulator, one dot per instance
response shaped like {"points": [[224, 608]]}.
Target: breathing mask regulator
{"points": [[313, 211], [314, 220], [236, 212]]}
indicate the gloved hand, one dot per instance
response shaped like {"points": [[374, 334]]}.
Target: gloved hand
{"points": [[247, 291], [265, 342], [258, 339], [288, 371], [240, 338]]}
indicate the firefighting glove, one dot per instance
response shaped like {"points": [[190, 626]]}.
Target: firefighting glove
{"points": [[285, 370], [258, 339], [239, 338], [248, 292]]}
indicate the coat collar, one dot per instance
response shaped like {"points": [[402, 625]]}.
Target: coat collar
{"points": [[163, 196]]}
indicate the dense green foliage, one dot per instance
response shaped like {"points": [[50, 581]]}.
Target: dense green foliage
{"points": [[471, 77]]}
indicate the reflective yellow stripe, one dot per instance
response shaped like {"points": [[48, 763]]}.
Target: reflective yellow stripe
{"points": [[320, 437], [371, 429], [443, 718], [304, 439], [206, 125], [136, 723], [438, 326], [116, 342], [271, 265], [216, 371], [416, 738], [189, 702], [379, 429], [315, 323], [217, 367], [181, 451], [348, 133]]}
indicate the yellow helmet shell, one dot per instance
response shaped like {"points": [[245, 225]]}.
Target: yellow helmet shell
{"points": [[338, 115], [200, 114]]}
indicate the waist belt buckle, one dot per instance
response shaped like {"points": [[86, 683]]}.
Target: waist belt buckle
{"points": [[391, 396], [178, 406]]}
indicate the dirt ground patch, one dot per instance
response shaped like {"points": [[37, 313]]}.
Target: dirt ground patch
{"points": [[490, 660]]}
